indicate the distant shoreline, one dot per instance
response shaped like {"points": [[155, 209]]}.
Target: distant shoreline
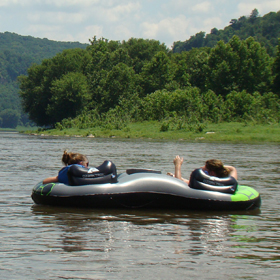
{"points": [[222, 132]]}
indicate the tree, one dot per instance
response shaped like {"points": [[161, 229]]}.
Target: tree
{"points": [[181, 75], [254, 14], [141, 51], [36, 88], [34, 95], [157, 73], [195, 41], [119, 84], [215, 31], [184, 102], [197, 61], [69, 96], [238, 104], [233, 22], [9, 118], [239, 65], [276, 71]]}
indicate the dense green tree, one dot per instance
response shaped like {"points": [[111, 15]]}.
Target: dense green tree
{"points": [[9, 118], [141, 51], [156, 73], [195, 41], [69, 96], [99, 65], [213, 107], [34, 97], [276, 72], [181, 75], [9, 98], [36, 89], [160, 104], [238, 104], [191, 68], [252, 107], [106, 58], [119, 84], [254, 14], [239, 65]]}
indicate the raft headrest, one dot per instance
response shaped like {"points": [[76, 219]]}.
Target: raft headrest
{"points": [[105, 173], [202, 181]]}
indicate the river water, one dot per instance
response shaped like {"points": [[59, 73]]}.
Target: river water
{"points": [[40, 242]]}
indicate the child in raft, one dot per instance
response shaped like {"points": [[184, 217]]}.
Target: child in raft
{"points": [[212, 167], [69, 159]]}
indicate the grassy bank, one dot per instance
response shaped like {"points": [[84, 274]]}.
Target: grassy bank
{"points": [[231, 132], [8, 129]]}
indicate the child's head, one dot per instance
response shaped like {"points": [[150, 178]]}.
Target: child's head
{"points": [[74, 158], [217, 167]]}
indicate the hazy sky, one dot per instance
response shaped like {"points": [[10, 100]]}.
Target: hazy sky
{"points": [[164, 20]]}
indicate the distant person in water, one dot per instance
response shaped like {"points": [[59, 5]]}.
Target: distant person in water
{"points": [[212, 167], [68, 159]]}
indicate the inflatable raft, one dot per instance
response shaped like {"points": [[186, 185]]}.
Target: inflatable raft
{"points": [[142, 188]]}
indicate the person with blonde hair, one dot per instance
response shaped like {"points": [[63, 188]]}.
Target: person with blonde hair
{"points": [[68, 159]]}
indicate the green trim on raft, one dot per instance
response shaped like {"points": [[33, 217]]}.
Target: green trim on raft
{"points": [[44, 189], [244, 193]]}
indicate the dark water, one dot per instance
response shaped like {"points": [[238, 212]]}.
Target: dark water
{"points": [[57, 243]]}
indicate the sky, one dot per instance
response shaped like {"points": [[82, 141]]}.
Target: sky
{"points": [[165, 20]]}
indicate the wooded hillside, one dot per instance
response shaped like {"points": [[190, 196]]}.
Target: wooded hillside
{"points": [[265, 30], [17, 54]]}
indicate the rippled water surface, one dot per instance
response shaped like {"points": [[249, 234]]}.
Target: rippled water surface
{"points": [[39, 242]]}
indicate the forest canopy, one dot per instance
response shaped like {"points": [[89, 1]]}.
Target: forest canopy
{"points": [[265, 30], [112, 83], [17, 54]]}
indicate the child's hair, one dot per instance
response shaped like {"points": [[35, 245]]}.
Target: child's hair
{"points": [[218, 167], [73, 158]]}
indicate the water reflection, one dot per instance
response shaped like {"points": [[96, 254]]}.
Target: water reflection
{"points": [[102, 230]]}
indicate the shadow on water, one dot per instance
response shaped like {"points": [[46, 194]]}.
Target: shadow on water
{"points": [[139, 216]]}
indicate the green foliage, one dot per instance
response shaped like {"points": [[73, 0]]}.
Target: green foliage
{"points": [[183, 91], [84, 120], [276, 71], [141, 51], [264, 29], [115, 118], [56, 89], [156, 73], [213, 107], [239, 65], [192, 68], [119, 84], [17, 54], [258, 108], [160, 104], [196, 41], [69, 94], [9, 118], [175, 123]]}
